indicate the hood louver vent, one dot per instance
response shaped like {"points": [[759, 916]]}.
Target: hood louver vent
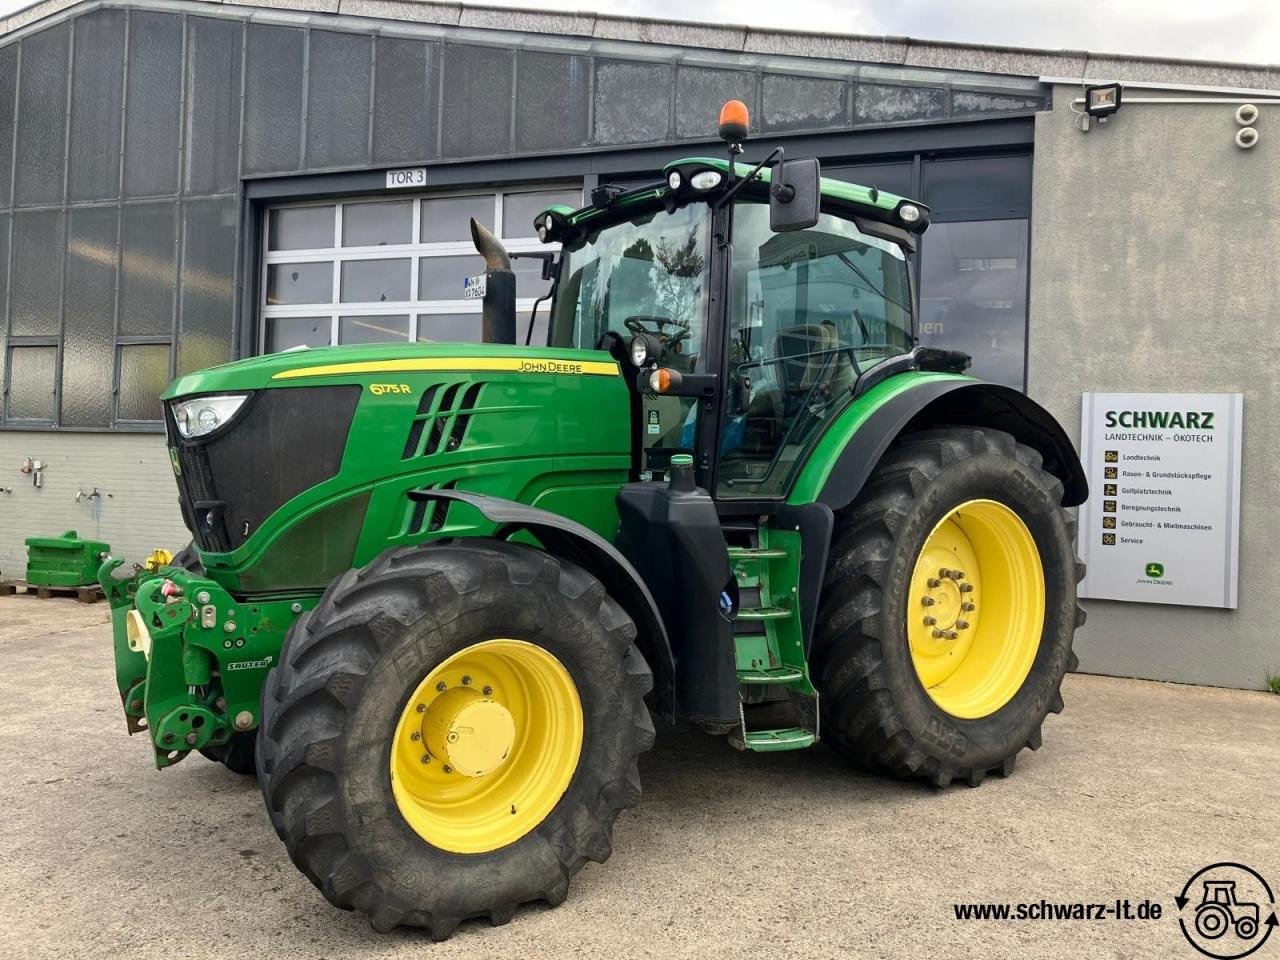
{"points": [[443, 415]]}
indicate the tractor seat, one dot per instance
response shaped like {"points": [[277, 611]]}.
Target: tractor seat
{"points": [[810, 358]]}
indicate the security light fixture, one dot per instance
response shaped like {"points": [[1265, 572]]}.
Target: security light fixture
{"points": [[1102, 100]]}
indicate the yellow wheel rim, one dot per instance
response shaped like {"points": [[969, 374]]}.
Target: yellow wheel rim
{"points": [[976, 609], [486, 746]]}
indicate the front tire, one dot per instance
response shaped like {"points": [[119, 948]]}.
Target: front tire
{"points": [[410, 708], [949, 608]]}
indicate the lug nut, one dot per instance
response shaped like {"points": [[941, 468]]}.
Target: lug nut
{"points": [[939, 634], [416, 735], [426, 758], [962, 624], [928, 601], [967, 606], [958, 574], [930, 621], [422, 708], [442, 686], [952, 635], [447, 769], [966, 588], [944, 573], [934, 583], [466, 681], [488, 691]]}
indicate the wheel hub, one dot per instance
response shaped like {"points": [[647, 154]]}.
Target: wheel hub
{"points": [[470, 732]]}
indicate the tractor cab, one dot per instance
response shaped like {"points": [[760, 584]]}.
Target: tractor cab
{"points": [[747, 302]]}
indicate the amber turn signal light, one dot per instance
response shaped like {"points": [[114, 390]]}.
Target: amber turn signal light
{"points": [[664, 379]]}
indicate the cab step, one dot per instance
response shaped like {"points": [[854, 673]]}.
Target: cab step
{"points": [[770, 675], [772, 741], [763, 613]]}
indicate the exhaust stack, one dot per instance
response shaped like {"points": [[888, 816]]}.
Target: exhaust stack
{"points": [[499, 310]]}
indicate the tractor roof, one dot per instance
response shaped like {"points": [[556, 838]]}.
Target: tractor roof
{"points": [[611, 206]]}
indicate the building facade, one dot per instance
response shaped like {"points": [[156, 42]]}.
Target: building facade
{"points": [[182, 184]]}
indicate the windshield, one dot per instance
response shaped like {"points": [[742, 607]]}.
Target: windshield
{"points": [[649, 275]]}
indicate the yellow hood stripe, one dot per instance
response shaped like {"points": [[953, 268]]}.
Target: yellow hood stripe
{"points": [[598, 368]]}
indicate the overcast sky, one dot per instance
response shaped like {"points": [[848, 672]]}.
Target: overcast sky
{"points": [[1233, 30]]}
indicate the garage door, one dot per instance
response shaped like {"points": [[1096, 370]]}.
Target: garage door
{"points": [[376, 270]]}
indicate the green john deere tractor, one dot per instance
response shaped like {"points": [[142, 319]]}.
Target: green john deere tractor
{"points": [[436, 591]]}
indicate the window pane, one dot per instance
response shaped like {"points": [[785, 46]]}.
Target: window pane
{"points": [[450, 327], [373, 329], [300, 228], [377, 224], [31, 382], [375, 281], [978, 188], [144, 372], [300, 282], [519, 209], [440, 278], [973, 295], [447, 219], [286, 332]]}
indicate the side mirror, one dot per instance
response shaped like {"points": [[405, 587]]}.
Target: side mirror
{"points": [[795, 195]]}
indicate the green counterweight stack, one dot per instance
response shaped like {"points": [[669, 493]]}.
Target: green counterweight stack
{"points": [[65, 561]]}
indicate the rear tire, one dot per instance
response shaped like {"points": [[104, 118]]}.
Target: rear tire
{"points": [[350, 674], [880, 694]]}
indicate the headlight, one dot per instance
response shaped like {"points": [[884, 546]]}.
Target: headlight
{"points": [[674, 180], [706, 179], [203, 415], [909, 212], [640, 350]]}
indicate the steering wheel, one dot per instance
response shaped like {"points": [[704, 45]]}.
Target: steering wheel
{"points": [[636, 324]]}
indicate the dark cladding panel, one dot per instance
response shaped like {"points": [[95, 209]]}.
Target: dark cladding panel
{"points": [[153, 104], [96, 93], [552, 122], [8, 89], [42, 116], [632, 102], [213, 105], [88, 346], [803, 103], [148, 269], [978, 188], [477, 101], [879, 103], [405, 97], [971, 103], [701, 93], [38, 246], [338, 99], [273, 98], [207, 283]]}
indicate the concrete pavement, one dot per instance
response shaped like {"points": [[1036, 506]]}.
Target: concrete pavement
{"points": [[1137, 786]]}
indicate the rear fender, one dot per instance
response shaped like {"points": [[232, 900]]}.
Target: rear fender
{"points": [[952, 402], [571, 541]]}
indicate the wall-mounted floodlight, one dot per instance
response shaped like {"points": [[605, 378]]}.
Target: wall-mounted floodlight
{"points": [[1102, 100]]}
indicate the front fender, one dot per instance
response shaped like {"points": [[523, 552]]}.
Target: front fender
{"points": [[571, 541], [860, 436]]}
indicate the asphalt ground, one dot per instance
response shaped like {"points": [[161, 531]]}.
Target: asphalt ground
{"points": [[1138, 785]]}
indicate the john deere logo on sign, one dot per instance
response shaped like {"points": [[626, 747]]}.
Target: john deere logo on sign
{"points": [[1155, 570]]}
